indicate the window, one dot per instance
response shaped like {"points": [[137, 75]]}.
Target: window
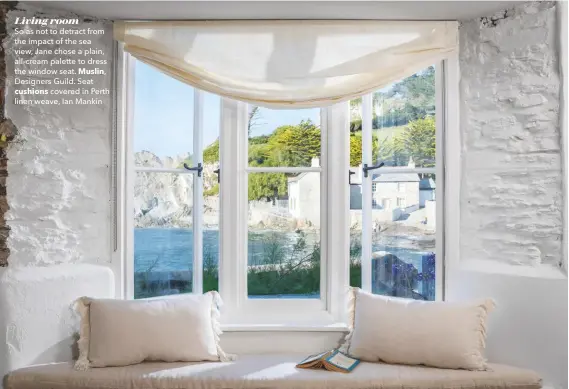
{"points": [[259, 223], [284, 173], [397, 246], [171, 240]]}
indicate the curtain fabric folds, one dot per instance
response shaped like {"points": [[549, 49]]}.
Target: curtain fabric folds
{"points": [[288, 64]]}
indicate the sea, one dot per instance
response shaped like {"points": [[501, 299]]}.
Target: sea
{"points": [[171, 249]]}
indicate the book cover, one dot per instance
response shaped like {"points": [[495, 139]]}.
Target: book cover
{"points": [[332, 360]]}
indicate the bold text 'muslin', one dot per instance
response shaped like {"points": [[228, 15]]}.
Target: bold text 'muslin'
{"points": [[45, 21]]}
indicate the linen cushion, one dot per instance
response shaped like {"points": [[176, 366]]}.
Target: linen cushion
{"points": [[396, 330], [267, 371], [169, 329]]}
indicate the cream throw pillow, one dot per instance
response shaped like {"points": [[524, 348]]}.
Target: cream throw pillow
{"points": [[411, 332], [125, 332]]}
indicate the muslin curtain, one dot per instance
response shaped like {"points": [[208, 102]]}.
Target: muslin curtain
{"points": [[288, 64]]}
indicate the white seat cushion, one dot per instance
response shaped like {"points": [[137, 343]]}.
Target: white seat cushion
{"points": [[266, 371]]}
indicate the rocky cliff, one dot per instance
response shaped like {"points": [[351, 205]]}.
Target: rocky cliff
{"points": [[165, 199]]}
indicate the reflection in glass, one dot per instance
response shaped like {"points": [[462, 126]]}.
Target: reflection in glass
{"points": [[403, 205], [403, 122], [403, 236]]}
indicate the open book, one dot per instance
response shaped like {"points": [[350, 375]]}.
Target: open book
{"points": [[332, 360]]}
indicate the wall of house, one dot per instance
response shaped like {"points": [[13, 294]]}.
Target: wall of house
{"points": [[59, 209], [309, 198], [389, 191], [511, 203]]}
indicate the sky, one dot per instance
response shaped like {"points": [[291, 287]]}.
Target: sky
{"points": [[163, 115]]}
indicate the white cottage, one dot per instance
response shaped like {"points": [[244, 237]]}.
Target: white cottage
{"points": [[304, 195]]}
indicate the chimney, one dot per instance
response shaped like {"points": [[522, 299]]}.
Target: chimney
{"points": [[315, 162], [411, 163]]}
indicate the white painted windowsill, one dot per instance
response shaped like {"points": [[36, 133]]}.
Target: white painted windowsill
{"points": [[336, 327]]}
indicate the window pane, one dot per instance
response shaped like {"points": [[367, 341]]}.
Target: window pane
{"points": [[211, 192], [284, 137], [403, 123], [403, 237], [163, 119], [403, 243], [284, 235], [163, 239]]}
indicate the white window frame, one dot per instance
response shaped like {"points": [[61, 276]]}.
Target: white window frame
{"points": [[293, 314], [196, 132], [442, 120], [242, 309]]}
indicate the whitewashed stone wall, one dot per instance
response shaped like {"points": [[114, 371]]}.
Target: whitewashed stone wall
{"points": [[511, 201], [59, 168]]}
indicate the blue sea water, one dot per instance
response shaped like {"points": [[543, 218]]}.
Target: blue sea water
{"points": [[171, 249], [166, 254]]}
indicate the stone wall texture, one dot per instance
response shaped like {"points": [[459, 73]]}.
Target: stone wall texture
{"points": [[59, 167], [7, 132], [511, 201]]}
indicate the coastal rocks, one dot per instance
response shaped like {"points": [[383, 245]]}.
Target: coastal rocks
{"points": [[165, 199]]}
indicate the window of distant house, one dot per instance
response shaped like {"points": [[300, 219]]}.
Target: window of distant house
{"points": [[374, 187]]}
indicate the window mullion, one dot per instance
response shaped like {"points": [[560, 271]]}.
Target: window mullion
{"points": [[129, 177], [338, 208], [231, 232], [197, 158], [366, 192]]}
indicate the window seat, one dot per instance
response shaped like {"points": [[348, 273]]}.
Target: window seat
{"points": [[266, 372]]}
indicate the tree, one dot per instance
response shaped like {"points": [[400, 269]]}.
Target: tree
{"points": [[355, 149], [409, 99], [381, 149], [211, 152], [254, 118], [293, 146], [418, 141], [269, 186]]}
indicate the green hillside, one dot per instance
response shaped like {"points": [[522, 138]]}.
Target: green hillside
{"points": [[403, 126]]}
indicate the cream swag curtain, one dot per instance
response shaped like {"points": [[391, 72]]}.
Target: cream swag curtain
{"points": [[288, 64]]}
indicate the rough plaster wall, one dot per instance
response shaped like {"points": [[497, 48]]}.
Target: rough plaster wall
{"points": [[37, 324], [511, 202], [58, 168], [8, 131]]}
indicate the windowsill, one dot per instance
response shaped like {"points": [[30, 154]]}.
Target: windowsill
{"points": [[336, 327]]}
